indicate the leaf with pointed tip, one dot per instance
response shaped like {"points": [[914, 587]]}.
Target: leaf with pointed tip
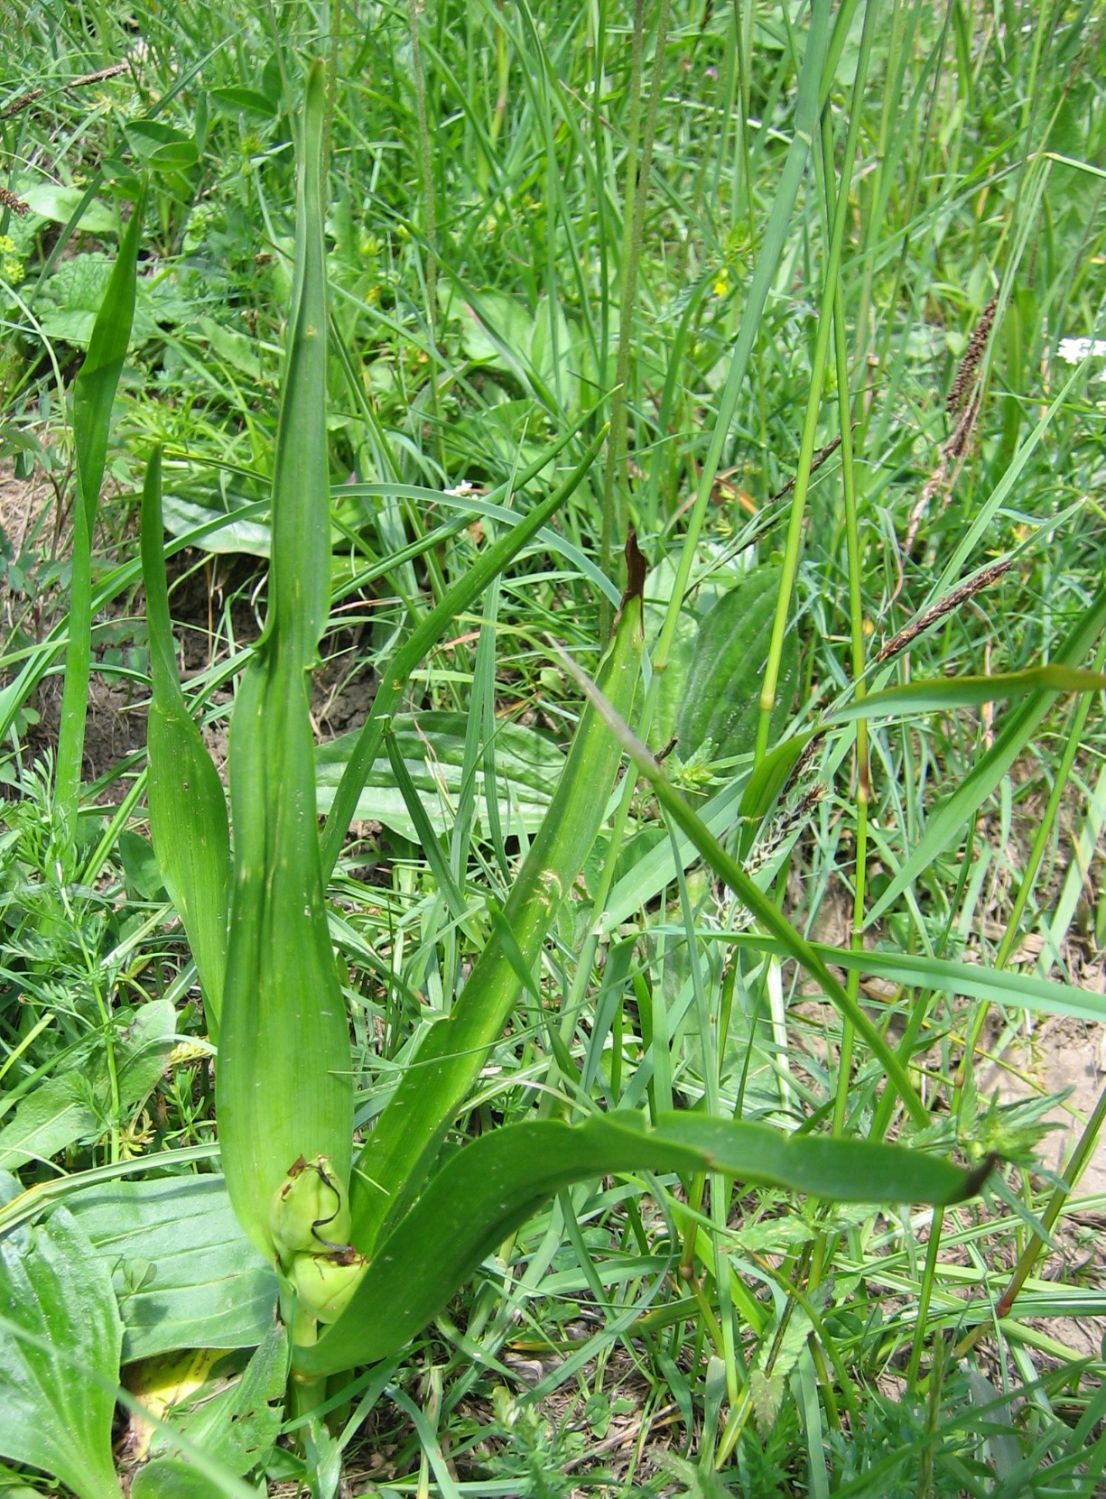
{"points": [[492, 1186], [400, 1150], [282, 996], [56, 1401], [188, 810], [938, 693]]}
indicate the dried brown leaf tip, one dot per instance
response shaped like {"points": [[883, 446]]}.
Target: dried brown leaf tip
{"points": [[636, 568]]}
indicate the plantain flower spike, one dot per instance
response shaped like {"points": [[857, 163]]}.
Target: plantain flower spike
{"points": [[325, 1283], [309, 1213]]}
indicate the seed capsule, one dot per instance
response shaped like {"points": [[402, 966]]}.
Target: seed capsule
{"points": [[325, 1283], [309, 1211]]}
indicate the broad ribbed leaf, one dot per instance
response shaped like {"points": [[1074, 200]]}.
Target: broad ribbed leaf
{"points": [[73, 1104], [493, 1185], [188, 812], [432, 746], [187, 1277], [284, 1075], [56, 1400], [400, 1150], [721, 696], [53, 1116]]}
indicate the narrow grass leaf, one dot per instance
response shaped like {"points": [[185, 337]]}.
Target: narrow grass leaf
{"points": [[756, 902], [968, 692], [188, 811], [1022, 991], [400, 1149], [948, 821], [93, 398], [394, 678], [493, 1185]]}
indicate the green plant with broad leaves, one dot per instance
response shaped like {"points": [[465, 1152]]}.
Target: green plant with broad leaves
{"points": [[359, 1247]]}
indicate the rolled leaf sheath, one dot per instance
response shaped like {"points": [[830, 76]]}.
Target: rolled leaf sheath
{"points": [[400, 1152]]}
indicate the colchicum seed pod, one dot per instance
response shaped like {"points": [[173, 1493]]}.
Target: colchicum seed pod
{"points": [[309, 1213], [325, 1283]]}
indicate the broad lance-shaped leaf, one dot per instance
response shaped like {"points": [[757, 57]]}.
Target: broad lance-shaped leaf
{"points": [[400, 1151], [284, 1081], [188, 811], [186, 1276], [720, 701], [59, 1357], [492, 1186]]}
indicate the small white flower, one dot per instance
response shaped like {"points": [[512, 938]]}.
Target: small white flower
{"points": [[1075, 350]]}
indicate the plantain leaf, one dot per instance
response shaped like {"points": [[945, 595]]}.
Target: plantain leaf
{"points": [[400, 1149], [282, 993], [432, 747], [59, 1357], [188, 813], [72, 1105], [186, 1275], [721, 696], [492, 1186], [57, 1113]]}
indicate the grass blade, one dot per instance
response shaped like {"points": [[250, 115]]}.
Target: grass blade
{"points": [[758, 904], [968, 692], [93, 398], [393, 680], [393, 1164], [950, 818]]}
